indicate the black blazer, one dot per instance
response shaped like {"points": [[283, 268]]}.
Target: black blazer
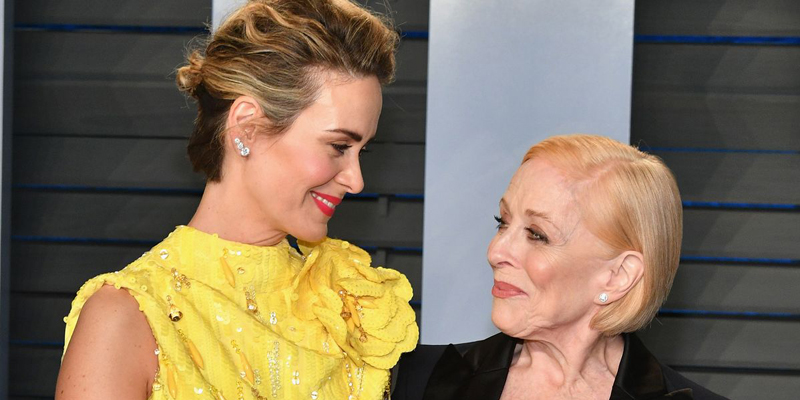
{"points": [[478, 371]]}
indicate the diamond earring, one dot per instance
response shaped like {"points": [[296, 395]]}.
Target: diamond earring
{"points": [[603, 297], [244, 151]]}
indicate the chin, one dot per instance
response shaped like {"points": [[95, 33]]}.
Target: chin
{"points": [[501, 317], [508, 317], [511, 325], [311, 235]]}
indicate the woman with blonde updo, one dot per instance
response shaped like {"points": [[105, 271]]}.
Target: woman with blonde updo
{"points": [[288, 94]]}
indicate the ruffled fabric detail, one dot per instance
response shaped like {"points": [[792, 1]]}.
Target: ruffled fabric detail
{"points": [[337, 278]]}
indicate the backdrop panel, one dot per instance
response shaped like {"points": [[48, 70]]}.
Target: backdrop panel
{"points": [[5, 176], [501, 77]]}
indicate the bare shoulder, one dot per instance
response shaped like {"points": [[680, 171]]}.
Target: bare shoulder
{"points": [[111, 352]]}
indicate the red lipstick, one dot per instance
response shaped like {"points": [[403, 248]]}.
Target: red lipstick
{"points": [[505, 290], [326, 203]]}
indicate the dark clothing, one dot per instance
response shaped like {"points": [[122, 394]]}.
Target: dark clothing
{"points": [[478, 371]]}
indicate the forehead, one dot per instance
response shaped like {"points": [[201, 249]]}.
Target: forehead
{"points": [[539, 186], [345, 102]]}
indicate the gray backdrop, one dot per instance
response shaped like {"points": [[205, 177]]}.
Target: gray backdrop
{"points": [[501, 77]]}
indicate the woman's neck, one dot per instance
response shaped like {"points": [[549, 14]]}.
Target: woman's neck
{"points": [[567, 358], [224, 210]]}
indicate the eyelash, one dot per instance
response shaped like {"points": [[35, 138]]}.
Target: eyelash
{"points": [[341, 148], [532, 234], [500, 222]]}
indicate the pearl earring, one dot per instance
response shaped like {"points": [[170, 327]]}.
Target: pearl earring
{"points": [[603, 297], [244, 151]]}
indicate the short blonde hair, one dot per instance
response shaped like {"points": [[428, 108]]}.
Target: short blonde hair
{"points": [[630, 200], [273, 50]]}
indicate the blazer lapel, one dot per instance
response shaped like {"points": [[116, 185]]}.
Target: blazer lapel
{"points": [[449, 374], [491, 359], [640, 376], [479, 374]]}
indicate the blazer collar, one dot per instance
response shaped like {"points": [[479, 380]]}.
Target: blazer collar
{"points": [[479, 371], [640, 376], [477, 374]]}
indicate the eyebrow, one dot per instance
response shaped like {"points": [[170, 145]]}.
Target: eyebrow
{"points": [[533, 213], [355, 136], [528, 212]]}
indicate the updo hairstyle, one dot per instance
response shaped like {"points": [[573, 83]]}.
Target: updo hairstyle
{"points": [[273, 51], [628, 199]]}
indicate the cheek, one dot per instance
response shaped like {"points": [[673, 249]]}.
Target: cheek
{"points": [[314, 170], [560, 282], [551, 280], [323, 170], [541, 270]]}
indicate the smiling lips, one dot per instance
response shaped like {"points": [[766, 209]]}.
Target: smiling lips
{"points": [[505, 290], [326, 203]]}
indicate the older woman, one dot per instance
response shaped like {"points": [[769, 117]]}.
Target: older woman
{"points": [[288, 94], [587, 246]]}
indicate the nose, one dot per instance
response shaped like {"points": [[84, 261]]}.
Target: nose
{"points": [[499, 252], [350, 177]]}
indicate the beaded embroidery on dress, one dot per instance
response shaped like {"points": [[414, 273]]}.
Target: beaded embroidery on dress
{"points": [[235, 321]]}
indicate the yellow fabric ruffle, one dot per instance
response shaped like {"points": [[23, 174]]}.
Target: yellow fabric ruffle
{"points": [[266, 322]]}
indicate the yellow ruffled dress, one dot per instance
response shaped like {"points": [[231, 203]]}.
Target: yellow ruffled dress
{"points": [[236, 321]]}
